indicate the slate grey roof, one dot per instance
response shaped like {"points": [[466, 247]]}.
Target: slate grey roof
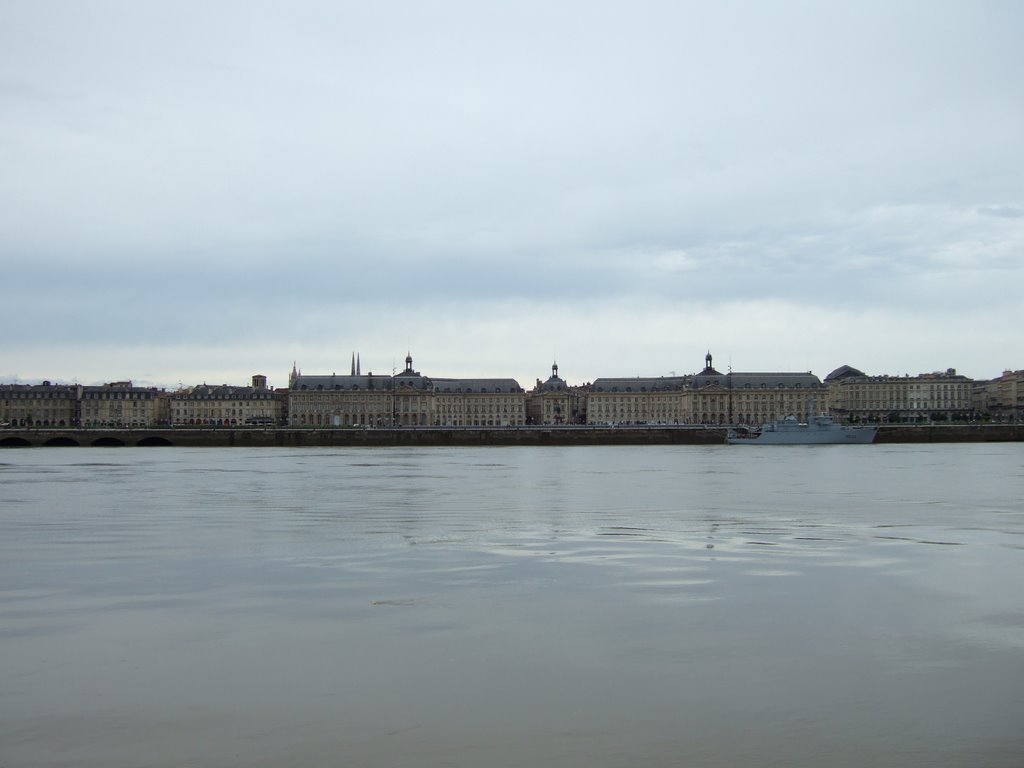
{"points": [[464, 386], [341, 382], [701, 380], [843, 372], [753, 380], [222, 392], [554, 384], [413, 380], [405, 381], [641, 384], [39, 390], [118, 388]]}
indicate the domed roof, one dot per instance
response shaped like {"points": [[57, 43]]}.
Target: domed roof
{"points": [[554, 383], [844, 372]]}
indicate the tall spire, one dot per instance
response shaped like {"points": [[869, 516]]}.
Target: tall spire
{"points": [[353, 369], [358, 371]]}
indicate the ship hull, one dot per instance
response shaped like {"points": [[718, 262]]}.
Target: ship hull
{"points": [[853, 436], [820, 432]]}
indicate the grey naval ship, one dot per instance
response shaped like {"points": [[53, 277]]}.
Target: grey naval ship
{"points": [[818, 430]]}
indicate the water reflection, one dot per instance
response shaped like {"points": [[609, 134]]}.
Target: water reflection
{"points": [[573, 607]]}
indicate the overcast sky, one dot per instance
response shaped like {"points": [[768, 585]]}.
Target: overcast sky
{"points": [[201, 191]]}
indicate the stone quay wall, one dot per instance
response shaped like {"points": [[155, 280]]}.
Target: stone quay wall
{"points": [[224, 437], [412, 436]]}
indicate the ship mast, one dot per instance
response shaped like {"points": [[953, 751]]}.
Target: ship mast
{"points": [[730, 393]]}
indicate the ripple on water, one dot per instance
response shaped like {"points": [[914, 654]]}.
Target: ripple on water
{"points": [[461, 600]]}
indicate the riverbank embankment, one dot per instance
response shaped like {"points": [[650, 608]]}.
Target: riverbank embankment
{"points": [[224, 437]]}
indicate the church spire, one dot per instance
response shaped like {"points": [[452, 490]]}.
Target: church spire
{"points": [[358, 371], [353, 369]]}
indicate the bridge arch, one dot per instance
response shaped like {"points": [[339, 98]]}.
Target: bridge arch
{"points": [[154, 440], [107, 442], [15, 442], [61, 442]]}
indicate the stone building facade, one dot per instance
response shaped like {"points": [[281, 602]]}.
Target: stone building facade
{"points": [[407, 399], [939, 396], [354, 400], [1006, 396], [226, 405], [340, 401], [40, 405], [641, 400], [120, 404], [709, 397], [754, 398], [478, 403], [554, 402], [411, 399]]}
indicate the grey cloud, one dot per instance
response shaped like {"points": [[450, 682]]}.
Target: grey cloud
{"points": [[1002, 211], [174, 174]]}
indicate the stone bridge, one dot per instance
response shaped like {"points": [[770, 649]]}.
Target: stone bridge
{"points": [[409, 436]]}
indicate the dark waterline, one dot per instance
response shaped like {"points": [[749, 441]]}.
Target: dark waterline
{"points": [[588, 606]]}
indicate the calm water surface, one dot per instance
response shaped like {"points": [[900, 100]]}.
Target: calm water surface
{"points": [[641, 606]]}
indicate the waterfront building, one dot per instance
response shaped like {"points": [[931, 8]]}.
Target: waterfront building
{"points": [[478, 403], [120, 404], [640, 400], [984, 397], [754, 397], [709, 397], [40, 405], [407, 399], [553, 402], [336, 400], [938, 396], [412, 397], [226, 405], [1007, 402], [340, 401]]}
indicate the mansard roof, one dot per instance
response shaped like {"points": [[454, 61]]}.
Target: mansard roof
{"points": [[119, 388], [333, 381], [405, 380], [758, 380], [641, 384], [44, 387], [222, 392], [510, 386], [844, 372], [554, 384], [412, 380], [41, 391], [848, 375], [114, 386], [771, 380]]}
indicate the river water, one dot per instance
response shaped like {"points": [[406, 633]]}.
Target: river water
{"points": [[576, 606]]}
